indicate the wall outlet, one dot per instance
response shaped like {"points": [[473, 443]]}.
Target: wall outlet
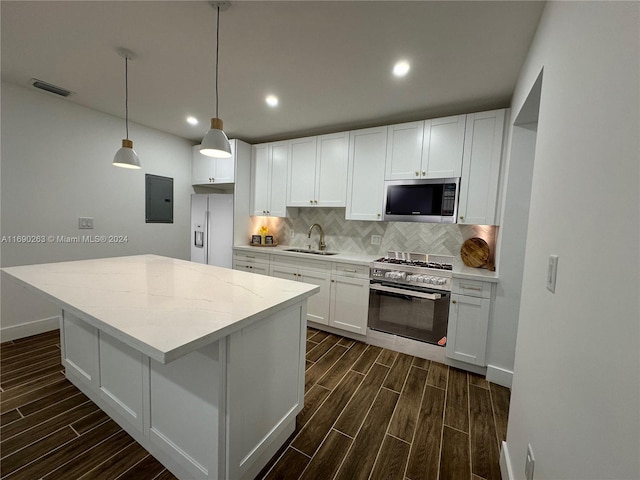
{"points": [[552, 271], [528, 465], [85, 222], [375, 239]]}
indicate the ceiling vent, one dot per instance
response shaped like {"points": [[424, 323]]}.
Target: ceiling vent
{"points": [[50, 88]]}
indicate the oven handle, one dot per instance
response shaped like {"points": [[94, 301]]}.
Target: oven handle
{"points": [[409, 293]]}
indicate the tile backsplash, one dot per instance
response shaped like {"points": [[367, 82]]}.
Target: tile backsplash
{"points": [[354, 236]]}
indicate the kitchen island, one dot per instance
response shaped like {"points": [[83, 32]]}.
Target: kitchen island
{"points": [[203, 366]]}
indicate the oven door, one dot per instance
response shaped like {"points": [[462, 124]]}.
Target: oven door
{"points": [[417, 313]]}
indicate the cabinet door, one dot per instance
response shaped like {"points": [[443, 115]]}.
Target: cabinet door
{"points": [[279, 154], [318, 305], [224, 168], [332, 161], [260, 179], [302, 172], [467, 329], [481, 168], [281, 271], [367, 151], [443, 147], [404, 151], [202, 168], [349, 304], [251, 267]]}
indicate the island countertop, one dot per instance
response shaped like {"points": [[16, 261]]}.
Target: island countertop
{"points": [[162, 307]]}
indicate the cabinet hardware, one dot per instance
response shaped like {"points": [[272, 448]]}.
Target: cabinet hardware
{"points": [[453, 301], [310, 201], [333, 281], [467, 287], [249, 256], [352, 271], [417, 174], [379, 215], [461, 217], [315, 201], [424, 174]]}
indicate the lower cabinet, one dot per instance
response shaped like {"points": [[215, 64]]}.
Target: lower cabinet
{"points": [[469, 321], [248, 262], [349, 303], [318, 304], [343, 300]]}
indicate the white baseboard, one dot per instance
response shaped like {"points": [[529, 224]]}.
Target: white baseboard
{"points": [[27, 329], [505, 463], [500, 376]]}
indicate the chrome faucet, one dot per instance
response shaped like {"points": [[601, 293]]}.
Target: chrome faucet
{"points": [[321, 244]]}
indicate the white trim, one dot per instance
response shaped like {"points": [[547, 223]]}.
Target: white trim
{"points": [[505, 463], [500, 376], [27, 329]]}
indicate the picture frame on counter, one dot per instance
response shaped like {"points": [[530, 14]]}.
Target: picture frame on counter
{"points": [[256, 239], [268, 239]]}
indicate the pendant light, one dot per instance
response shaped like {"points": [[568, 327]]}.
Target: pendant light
{"points": [[126, 157], [215, 143]]}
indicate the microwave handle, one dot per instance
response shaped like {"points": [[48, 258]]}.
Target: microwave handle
{"points": [[384, 288]]}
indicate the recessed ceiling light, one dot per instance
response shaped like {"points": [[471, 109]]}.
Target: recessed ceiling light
{"points": [[192, 120], [401, 68], [271, 100]]}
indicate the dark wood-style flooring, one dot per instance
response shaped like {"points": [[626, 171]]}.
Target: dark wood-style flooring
{"points": [[369, 413]]}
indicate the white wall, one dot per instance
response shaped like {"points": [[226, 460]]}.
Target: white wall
{"points": [[56, 167], [576, 386]]}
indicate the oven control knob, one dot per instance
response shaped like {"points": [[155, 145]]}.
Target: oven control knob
{"points": [[422, 278], [441, 281], [428, 280], [388, 274], [401, 275]]}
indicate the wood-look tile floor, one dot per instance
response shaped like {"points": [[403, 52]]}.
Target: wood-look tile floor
{"points": [[369, 413]]}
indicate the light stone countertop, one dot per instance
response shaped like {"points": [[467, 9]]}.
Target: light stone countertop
{"points": [[162, 307], [459, 269], [352, 258]]}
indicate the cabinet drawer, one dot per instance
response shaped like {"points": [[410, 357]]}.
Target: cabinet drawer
{"points": [[301, 263], [350, 270], [251, 257], [472, 288]]}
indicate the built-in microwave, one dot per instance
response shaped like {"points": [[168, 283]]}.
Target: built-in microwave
{"points": [[425, 200]]}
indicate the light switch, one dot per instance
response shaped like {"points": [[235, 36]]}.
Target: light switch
{"points": [[552, 271], [375, 239], [85, 222]]}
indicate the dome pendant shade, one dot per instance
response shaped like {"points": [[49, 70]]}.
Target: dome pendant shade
{"points": [[215, 143], [126, 157]]}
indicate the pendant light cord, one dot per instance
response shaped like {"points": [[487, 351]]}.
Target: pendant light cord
{"points": [[126, 94], [217, 53]]}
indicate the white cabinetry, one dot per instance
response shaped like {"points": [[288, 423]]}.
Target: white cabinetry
{"points": [[365, 184], [213, 171], [349, 298], [481, 168], [269, 179], [446, 143], [469, 321], [426, 149], [251, 262], [318, 171], [316, 273]]}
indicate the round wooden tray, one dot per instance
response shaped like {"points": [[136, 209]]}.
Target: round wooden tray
{"points": [[475, 252]]}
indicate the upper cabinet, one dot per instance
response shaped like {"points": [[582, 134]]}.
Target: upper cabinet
{"points": [[425, 149], [318, 171], [483, 142], [269, 179], [213, 171], [365, 183]]}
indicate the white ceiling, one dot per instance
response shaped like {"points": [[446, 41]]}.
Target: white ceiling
{"points": [[329, 62]]}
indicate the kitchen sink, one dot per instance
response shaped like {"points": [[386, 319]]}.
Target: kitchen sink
{"points": [[312, 252]]}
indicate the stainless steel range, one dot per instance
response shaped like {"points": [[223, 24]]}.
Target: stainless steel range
{"points": [[409, 295]]}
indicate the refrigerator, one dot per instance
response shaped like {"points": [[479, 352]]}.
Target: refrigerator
{"points": [[212, 229]]}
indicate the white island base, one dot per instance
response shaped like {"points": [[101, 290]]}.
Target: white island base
{"points": [[219, 412]]}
